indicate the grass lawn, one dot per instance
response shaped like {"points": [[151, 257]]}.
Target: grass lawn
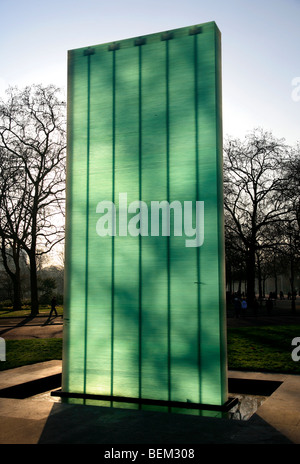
{"points": [[266, 349], [24, 352], [44, 310]]}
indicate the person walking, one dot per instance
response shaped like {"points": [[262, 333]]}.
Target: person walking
{"points": [[244, 306], [53, 307]]}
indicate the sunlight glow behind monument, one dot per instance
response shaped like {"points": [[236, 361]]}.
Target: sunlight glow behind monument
{"points": [[144, 310]]}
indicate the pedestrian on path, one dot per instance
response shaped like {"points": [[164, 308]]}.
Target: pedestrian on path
{"points": [[53, 307], [244, 306]]}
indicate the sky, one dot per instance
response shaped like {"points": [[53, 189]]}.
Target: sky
{"points": [[260, 49]]}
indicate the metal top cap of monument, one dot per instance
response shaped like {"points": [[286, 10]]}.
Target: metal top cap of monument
{"points": [[150, 38]]}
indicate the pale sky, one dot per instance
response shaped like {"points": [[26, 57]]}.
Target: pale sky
{"points": [[260, 48]]}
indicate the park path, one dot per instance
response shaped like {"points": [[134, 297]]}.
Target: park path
{"points": [[16, 328]]}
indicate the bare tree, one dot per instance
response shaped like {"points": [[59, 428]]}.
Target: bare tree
{"points": [[32, 137], [235, 256], [253, 196], [11, 223], [291, 191]]}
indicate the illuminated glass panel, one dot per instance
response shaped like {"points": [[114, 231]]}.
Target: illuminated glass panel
{"points": [[144, 299]]}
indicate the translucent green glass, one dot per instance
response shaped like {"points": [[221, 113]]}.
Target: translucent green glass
{"points": [[144, 311]]}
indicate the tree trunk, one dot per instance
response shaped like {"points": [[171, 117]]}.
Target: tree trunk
{"points": [[33, 285], [276, 285], [14, 276], [251, 277], [264, 287], [292, 287], [240, 287], [17, 302], [32, 257], [229, 278], [260, 279]]}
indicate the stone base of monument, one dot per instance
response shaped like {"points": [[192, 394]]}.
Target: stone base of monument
{"points": [[229, 404]]}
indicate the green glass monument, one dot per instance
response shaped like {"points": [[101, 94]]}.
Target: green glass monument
{"points": [[144, 316]]}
